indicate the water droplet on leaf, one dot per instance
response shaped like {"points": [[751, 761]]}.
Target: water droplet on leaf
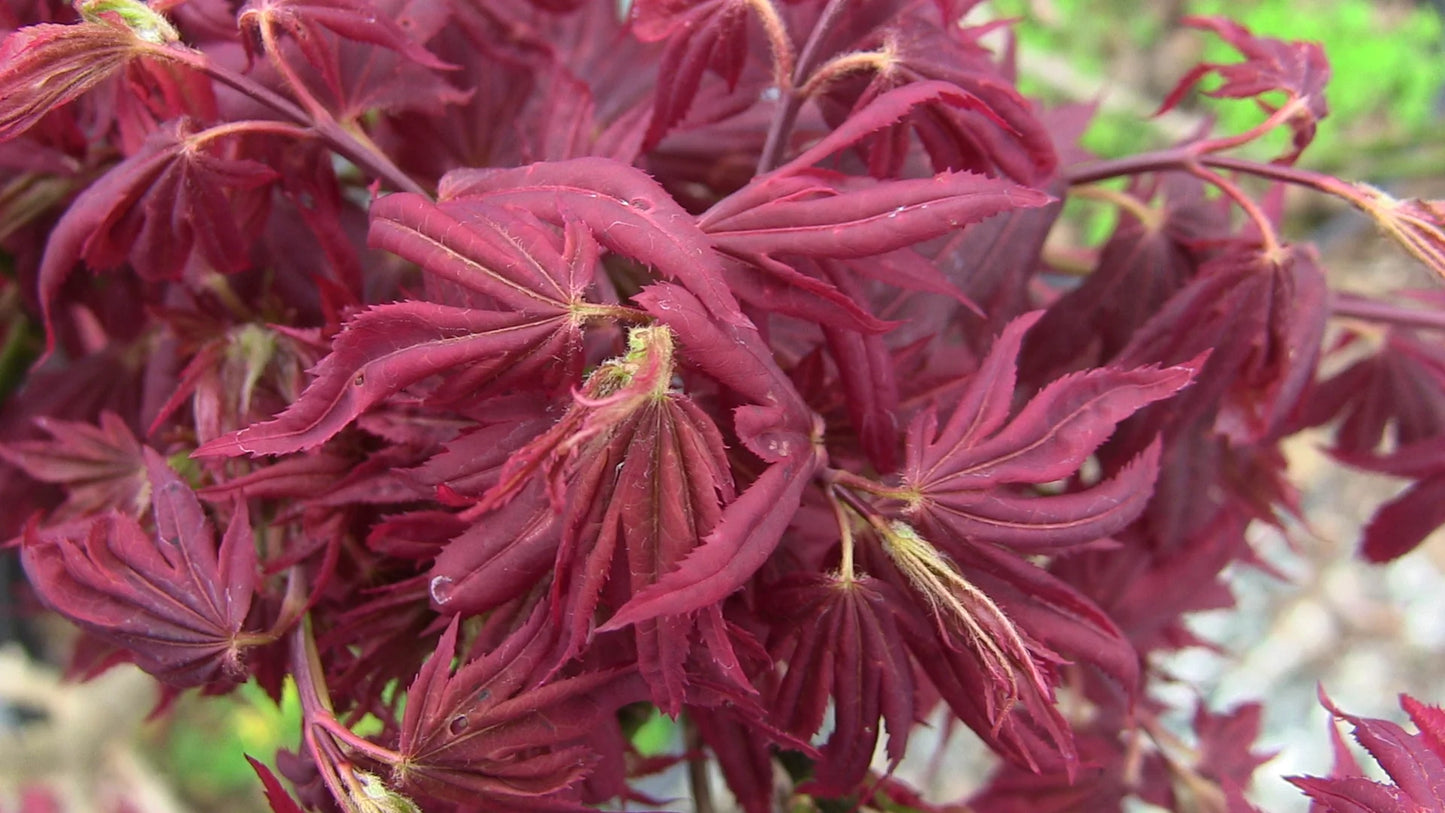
{"points": [[441, 589]]}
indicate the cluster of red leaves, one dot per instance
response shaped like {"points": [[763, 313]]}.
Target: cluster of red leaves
{"points": [[545, 365]]}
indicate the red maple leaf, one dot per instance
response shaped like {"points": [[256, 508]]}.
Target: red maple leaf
{"points": [[171, 597], [1415, 764], [964, 475], [1298, 69], [488, 732], [185, 192], [45, 66], [101, 467]]}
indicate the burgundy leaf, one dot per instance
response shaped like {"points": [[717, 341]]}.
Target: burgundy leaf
{"points": [[656, 486], [865, 370], [780, 287], [488, 733], [491, 250], [101, 467], [1137, 271], [45, 66], [1261, 323], [363, 79], [298, 477], [701, 35], [994, 676], [1399, 387], [387, 348], [627, 211], [954, 474], [1051, 612], [1298, 69], [1412, 761], [734, 355], [1430, 720], [638, 476], [744, 758], [1031, 523], [1224, 755], [276, 795], [172, 598], [498, 559], [180, 194], [906, 269], [358, 20], [820, 213], [1353, 794], [748, 531], [1400, 525], [978, 122], [881, 112], [472, 462], [844, 644]]}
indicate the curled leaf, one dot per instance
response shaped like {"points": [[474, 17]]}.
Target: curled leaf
{"points": [[45, 66]]}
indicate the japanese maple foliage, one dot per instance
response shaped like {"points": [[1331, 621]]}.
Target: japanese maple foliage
{"points": [[505, 371]]}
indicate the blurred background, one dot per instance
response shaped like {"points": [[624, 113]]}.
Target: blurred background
{"points": [[1364, 633]]}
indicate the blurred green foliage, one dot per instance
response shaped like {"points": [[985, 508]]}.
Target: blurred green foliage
{"points": [[1387, 59], [201, 745]]}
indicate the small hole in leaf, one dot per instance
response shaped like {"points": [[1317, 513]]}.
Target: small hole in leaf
{"points": [[459, 724], [359, 380]]}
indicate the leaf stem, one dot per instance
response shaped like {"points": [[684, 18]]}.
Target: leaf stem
{"points": [[1175, 159], [787, 115], [585, 311], [821, 29], [1358, 307], [250, 127], [317, 714], [308, 100], [863, 509], [843, 64], [848, 479], [1278, 117], [1271, 247], [356, 742], [845, 533], [697, 778], [1150, 217], [779, 41], [344, 143]]}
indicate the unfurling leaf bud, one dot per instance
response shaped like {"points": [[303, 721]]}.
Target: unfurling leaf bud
{"points": [[375, 797], [45, 66], [965, 612], [147, 23], [1417, 225]]}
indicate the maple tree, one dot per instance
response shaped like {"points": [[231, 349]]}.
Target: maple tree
{"points": [[502, 371]]}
